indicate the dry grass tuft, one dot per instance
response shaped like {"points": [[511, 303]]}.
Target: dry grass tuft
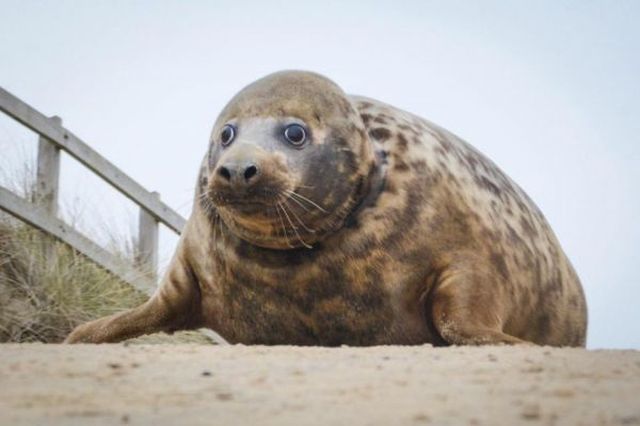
{"points": [[45, 293], [43, 297]]}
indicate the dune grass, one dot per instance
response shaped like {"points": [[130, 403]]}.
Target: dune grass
{"points": [[43, 295], [47, 288]]}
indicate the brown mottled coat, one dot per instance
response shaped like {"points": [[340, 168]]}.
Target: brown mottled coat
{"points": [[422, 238]]}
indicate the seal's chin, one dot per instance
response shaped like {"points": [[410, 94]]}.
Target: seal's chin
{"points": [[256, 223], [272, 223], [250, 217]]}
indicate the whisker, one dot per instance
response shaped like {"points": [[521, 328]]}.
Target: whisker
{"points": [[284, 228], [215, 229], [203, 197], [295, 229], [299, 220], [184, 204], [303, 198], [221, 226], [289, 197]]}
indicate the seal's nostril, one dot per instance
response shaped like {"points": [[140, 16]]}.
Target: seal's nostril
{"points": [[250, 172], [224, 172]]}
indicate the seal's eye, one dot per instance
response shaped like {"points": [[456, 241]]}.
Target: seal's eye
{"points": [[227, 134], [295, 134]]}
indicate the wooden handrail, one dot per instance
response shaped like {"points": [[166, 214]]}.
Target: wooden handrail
{"points": [[74, 146], [38, 217]]}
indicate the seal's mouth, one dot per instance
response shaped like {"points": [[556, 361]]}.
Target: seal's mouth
{"points": [[245, 208], [246, 203], [222, 201]]}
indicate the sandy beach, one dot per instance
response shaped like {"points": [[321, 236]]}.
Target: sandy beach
{"points": [[199, 384]]}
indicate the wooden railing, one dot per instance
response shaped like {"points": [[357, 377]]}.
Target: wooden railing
{"points": [[42, 214]]}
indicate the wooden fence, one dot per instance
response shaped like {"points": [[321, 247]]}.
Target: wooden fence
{"points": [[42, 214]]}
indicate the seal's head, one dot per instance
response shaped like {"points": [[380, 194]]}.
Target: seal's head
{"points": [[289, 160]]}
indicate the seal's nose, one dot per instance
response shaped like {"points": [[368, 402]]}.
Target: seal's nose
{"points": [[239, 175]]}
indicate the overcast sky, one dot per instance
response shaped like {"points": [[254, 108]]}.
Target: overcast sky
{"points": [[549, 90]]}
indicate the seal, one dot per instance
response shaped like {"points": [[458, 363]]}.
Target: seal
{"points": [[327, 219]]}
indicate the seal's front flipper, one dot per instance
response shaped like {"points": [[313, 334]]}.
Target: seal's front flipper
{"points": [[467, 311], [175, 306], [145, 319]]}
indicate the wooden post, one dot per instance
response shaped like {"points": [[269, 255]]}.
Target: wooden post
{"points": [[48, 173], [46, 191], [147, 258]]}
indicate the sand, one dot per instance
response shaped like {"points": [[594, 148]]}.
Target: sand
{"points": [[392, 385]]}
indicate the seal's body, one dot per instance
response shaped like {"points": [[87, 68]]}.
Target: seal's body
{"points": [[327, 219]]}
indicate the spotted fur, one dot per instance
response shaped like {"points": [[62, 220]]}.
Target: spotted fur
{"points": [[424, 240]]}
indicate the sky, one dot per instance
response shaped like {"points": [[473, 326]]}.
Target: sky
{"points": [[549, 90]]}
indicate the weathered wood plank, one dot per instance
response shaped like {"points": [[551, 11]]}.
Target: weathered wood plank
{"points": [[47, 180], [38, 217], [147, 250], [73, 145], [48, 173]]}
